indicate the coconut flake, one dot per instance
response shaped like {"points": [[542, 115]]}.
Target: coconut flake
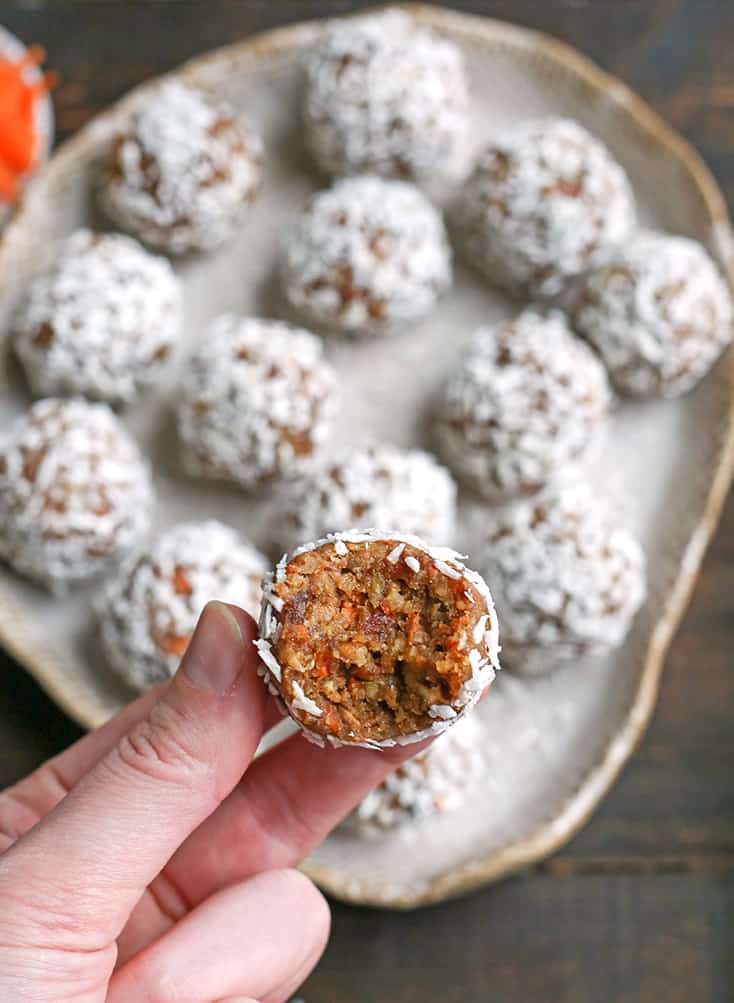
{"points": [[443, 711], [266, 654], [304, 703], [447, 570], [275, 601]]}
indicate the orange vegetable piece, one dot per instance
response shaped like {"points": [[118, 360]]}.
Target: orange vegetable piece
{"points": [[19, 140], [175, 644], [331, 720], [181, 583]]}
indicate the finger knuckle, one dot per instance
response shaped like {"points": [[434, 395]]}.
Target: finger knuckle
{"points": [[16, 818], [288, 826], [163, 747]]}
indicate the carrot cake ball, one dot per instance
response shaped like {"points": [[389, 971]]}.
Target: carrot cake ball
{"points": [[257, 401], [183, 173], [567, 579], [75, 493], [375, 639], [102, 322], [546, 202], [435, 781], [527, 399], [385, 96], [659, 314], [148, 613], [366, 255], [399, 489]]}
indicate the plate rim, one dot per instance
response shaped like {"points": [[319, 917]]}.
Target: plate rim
{"points": [[562, 825]]}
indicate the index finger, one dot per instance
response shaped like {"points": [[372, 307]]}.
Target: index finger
{"points": [[284, 806], [157, 784]]}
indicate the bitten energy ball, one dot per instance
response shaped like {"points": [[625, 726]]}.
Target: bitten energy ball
{"points": [[527, 399], [386, 97], [567, 579], [101, 323], [373, 639], [366, 255], [256, 401], [436, 781], [148, 613], [183, 173], [404, 490], [546, 202], [659, 314], [75, 493]]}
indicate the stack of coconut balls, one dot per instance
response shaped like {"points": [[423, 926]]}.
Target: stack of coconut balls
{"points": [[373, 631]]}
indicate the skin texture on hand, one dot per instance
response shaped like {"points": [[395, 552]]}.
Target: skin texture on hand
{"points": [[152, 861]]}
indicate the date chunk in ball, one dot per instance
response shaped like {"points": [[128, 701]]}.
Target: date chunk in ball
{"points": [[375, 640]]}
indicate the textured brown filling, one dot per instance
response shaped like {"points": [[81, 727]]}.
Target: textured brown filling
{"points": [[374, 643]]}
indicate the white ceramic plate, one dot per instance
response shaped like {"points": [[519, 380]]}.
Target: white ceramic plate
{"points": [[14, 48], [553, 746]]}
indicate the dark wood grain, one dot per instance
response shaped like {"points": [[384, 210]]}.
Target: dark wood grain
{"points": [[639, 906]]}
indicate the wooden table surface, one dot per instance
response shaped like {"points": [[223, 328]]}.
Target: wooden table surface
{"points": [[640, 906]]}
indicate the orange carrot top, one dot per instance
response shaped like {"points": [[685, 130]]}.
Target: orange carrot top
{"points": [[19, 140]]}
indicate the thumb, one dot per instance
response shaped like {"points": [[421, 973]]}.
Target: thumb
{"points": [[94, 855]]}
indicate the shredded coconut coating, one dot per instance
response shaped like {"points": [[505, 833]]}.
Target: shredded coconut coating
{"points": [[567, 579], [398, 489], [366, 255], [148, 612], [386, 97], [527, 400], [436, 781], [482, 655], [659, 313], [183, 174], [101, 323], [76, 496], [546, 202], [257, 401]]}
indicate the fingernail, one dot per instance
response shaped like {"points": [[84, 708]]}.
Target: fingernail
{"points": [[215, 655]]}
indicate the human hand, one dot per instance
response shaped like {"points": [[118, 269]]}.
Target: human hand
{"points": [[144, 865]]}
